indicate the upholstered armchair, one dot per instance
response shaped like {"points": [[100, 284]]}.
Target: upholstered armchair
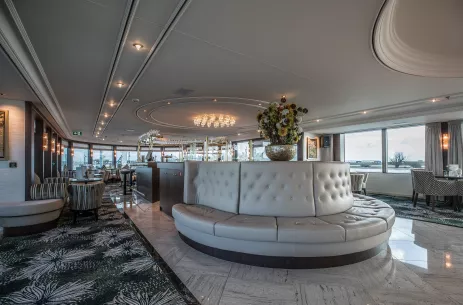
{"points": [[106, 175], [86, 197], [49, 191], [57, 180], [460, 194], [425, 183]]}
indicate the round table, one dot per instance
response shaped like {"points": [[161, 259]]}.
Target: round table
{"points": [[356, 181], [84, 180]]}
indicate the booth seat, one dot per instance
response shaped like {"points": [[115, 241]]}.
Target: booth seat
{"points": [[37, 215], [280, 210]]}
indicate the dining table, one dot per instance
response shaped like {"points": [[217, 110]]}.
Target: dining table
{"points": [[84, 180]]}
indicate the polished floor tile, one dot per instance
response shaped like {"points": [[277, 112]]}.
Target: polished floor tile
{"points": [[422, 265]]}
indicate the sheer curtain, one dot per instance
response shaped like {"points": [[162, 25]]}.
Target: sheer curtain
{"points": [[455, 143], [433, 150]]}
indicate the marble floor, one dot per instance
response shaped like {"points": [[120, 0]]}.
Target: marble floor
{"points": [[423, 265]]}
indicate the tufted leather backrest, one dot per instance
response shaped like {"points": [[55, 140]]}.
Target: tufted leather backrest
{"points": [[331, 186], [189, 187], [277, 189], [217, 185]]}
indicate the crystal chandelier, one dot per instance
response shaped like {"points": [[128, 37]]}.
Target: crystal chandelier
{"points": [[215, 120]]}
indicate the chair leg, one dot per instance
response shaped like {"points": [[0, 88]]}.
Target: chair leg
{"points": [[415, 199], [428, 198], [96, 214], [433, 199], [74, 217], [364, 191], [413, 196]]}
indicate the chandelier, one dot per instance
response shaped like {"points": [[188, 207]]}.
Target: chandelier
{"points": [[216, 120]]}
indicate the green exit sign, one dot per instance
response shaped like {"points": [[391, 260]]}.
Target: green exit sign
{"points": [[77, 133]]}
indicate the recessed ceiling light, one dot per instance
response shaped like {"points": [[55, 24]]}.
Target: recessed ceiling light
{"points": [[138, 46], [144, 110], [239, 134], [168, 103], [130, 130], [120, 84], [102, 122], [214, 100], [112, 104], [103, 139], [434, 100], [364, 112], [105, 115], [99, 128], [318, 120], [120, 141], [260, 104]]}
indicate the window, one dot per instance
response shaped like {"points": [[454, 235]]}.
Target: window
{"points": [[102, 157], [363, 150], [80, 157], [64, 158], [125, 157], [405, 149]]}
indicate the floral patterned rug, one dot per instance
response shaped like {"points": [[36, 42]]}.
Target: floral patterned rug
{"points": [[443, 214], [103, 262]]}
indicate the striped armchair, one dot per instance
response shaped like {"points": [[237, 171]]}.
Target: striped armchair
{"points": [[86, 197], [49, 191]]}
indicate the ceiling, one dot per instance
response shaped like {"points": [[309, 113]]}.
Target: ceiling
{"points": [[322, 55]]}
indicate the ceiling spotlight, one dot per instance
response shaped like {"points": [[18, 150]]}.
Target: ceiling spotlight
{"points": [[102, 122], [112, 104], [168, 103], [99, 128], [214, 100], [434, 100], [318, 120], [120, 84], [103, 139], [138, 46], [120, 141], [130, 130], [364, 112], [105, 115], [238, 134]]}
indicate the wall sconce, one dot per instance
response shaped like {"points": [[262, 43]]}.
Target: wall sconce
{"points": [[445, 141], [62, 150], [91, 153], [45, 141], [58, 148], [53, 146], [72, 151], [115, 153]]}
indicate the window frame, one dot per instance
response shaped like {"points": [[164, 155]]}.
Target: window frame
{"points": [[384, 145]]}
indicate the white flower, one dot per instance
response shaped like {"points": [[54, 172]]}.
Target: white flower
{"points": [[52, 261], [265, 120], [299, 129], [298, 119], [62, 233], [107, 237], [51, 294], [128, 248], [278, 125], [142, 298], [140, 264], [285, 112]]}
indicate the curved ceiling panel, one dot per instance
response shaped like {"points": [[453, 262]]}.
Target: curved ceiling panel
{"points": [[421, 37]]}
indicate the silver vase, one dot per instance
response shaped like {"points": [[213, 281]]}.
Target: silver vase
{"points": [[280, 152]]}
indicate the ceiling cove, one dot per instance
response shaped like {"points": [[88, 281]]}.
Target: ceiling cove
{"points": [[420, 37], [138, 47]]}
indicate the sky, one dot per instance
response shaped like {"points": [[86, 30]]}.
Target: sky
{"points": [[367, 145]]}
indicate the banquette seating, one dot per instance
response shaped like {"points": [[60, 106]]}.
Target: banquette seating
{"points": [[280, 214]]}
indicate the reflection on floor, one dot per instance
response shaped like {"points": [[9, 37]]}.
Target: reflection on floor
{"points": [[423, 265]]}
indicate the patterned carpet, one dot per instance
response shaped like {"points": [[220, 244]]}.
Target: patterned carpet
{"points": [[443, 214], [103, 262]]}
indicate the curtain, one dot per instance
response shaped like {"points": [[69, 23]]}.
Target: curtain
{"points": [[455, 143], [433, 149]]}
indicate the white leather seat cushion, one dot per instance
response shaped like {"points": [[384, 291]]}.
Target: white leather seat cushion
{"points": [[197, 217], [370, 203], [217, 185], [357, 227], [29, 220], [387, 214], [248, 227], [11, 209], [189, 187], [277, 189], [309, 230]]}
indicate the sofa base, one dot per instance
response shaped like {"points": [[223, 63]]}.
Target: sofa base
{"points": [[30, 229], [285, 262]]}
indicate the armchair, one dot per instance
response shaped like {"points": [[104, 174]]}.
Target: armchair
{"points": [[86, 197], [425, 183]]}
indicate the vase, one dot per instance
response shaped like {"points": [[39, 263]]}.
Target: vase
{"points": [[280, 152]]}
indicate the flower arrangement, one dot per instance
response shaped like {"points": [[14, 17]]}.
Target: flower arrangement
{"points": [[279, 123]]}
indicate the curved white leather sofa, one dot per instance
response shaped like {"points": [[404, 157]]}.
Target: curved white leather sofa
{"points": [[279, 209], [29, 217]]}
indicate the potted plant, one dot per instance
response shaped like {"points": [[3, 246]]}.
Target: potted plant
{"points": [[279, 123]]}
